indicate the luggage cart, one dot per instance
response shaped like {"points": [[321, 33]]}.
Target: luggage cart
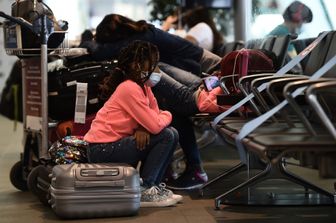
{"points": [[34, 91]]}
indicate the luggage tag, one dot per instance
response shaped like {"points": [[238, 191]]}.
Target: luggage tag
{"points": [[81, 99]]}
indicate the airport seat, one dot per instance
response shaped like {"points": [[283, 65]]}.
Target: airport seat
{"points": [[274, 149], [301, 44], [229, 47], [321, 53]]}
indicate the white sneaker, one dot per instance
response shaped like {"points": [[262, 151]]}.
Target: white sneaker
{"points": [[153, 197], [178, 198]]}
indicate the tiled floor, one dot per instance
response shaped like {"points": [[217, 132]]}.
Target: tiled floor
{"points": [[16, 206]]}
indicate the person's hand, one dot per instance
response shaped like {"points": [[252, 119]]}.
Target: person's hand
{"points": [[142, 137], [169, 22], [171, 19]]}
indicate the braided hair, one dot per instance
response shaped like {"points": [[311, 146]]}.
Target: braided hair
{"points": [[132, 61]]}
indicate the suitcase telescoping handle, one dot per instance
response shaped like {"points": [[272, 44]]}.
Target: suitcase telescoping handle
{"points": [[86, 184], [99, 174], [102, 172]]}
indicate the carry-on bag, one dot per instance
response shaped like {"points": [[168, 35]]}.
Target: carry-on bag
{"points": [[69, 149], [70, 127], [94, 190], [62, 87], [238, 64]]}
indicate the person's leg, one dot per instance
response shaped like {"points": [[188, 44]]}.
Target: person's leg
{"points": [[159, 157], [162, 148], [155, 159], [166, 163], [210, 62], [175, 96], [194, 175], [156, 155], [186, 78], [187, 140], [122, 151]]}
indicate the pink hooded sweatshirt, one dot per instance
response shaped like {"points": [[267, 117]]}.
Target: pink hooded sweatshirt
{"points": [[127, 109]]}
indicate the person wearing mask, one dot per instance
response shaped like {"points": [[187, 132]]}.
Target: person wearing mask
{"points": [[201, 28], [184, 96], [130, 127], [116, 31], [295, 15]]}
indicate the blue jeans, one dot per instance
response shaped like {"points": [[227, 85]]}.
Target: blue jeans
{"points": [[155, 158], [175, 93], [188, 141], [186, 78], [176, 90], [210, 62]]}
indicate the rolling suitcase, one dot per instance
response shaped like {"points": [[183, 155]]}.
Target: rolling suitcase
{"points": [[94, 190]]}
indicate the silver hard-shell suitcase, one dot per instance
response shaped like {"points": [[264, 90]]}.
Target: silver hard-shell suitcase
{"points": [[94, 190]]}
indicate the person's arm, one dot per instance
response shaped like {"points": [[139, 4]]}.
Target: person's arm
{"points": [[207, 101], [191, 39], [136, 104], [168, 23]]}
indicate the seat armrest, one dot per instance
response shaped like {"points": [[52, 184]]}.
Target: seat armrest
{"points": [[243, 85], [259, 81], [243, 80], [223, 80], [290, 88], [274, 85], [311, 95]]}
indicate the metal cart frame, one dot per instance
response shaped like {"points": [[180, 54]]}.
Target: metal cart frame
{"points": [[36, 142]]}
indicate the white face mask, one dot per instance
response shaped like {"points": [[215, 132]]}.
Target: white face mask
{"points": [[153, 79], [298, 30]]}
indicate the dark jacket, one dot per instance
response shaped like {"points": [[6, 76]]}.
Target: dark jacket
{"points": [[173, 50]]}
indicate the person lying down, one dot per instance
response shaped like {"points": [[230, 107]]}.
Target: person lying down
{"points": [[185, 94]]}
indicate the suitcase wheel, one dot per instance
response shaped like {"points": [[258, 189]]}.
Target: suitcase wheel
{"points": [[17, 176], [38, 182]]}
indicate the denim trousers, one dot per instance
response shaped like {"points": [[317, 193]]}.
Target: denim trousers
{"points": [[155, 158], [176, 90], [176, 93], [187, 140], [210, 62]]}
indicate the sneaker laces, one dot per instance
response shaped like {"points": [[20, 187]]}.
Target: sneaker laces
{"points": [[153, 194], [154, 190], [162, 187], [164, 190]]}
